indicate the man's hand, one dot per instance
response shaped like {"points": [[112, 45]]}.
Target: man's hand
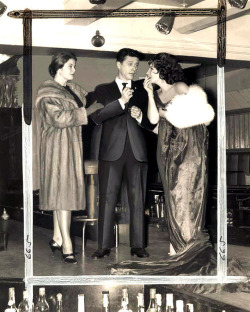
{"points": [[127, 94], [135, 112], [93, 108]]}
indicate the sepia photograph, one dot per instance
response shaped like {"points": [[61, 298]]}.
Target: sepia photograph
{"points": [[117, 233], [125, 146]]}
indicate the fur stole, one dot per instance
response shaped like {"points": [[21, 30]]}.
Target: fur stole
{"points": [[53, 89], [190, 109]]}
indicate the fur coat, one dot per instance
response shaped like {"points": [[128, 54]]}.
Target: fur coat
{"points": [[61, 154]]}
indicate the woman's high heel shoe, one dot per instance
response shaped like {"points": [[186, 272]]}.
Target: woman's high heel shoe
{"points": [[69, 258], [54, 246]]}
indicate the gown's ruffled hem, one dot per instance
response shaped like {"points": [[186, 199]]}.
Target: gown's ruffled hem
{"points": [[175, 265]]}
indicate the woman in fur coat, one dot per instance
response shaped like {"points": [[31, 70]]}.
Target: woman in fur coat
{"points": [[61, 109]]}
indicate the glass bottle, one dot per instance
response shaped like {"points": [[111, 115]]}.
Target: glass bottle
{"points": [[81, 303], [5, 215], [157, 206], [140, 300], [179, 306], [152, 211], [152, 303], [42, 304], [169, 302], [59, 307], [24, 304], [105, 301], [162, 207], [125, 301], [158, 302], [190, 307], [12, 301]]}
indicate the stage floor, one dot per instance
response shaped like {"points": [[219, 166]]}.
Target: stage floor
{"points": [[12, 260]]}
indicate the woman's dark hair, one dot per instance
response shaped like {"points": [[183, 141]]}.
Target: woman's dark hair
{"points": [[58, 61], [121, 54], [167, 67]]}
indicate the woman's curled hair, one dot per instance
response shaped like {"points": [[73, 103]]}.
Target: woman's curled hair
{"points": [[58, 61], [167, 67]]}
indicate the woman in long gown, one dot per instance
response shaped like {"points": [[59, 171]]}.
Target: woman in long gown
{"points": [[182, 114]]}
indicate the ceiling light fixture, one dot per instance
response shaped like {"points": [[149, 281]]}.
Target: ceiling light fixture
{"points": [[98, 40], [184, 4], [3, 8], [239, 4], [165, 24], [97, 1]]}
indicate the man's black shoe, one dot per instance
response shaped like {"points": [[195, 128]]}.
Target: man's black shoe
{"points": [[101, 253], [140, 252]]}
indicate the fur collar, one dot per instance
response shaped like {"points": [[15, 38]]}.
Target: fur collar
{"points": [[191, 109], [53, 89]]}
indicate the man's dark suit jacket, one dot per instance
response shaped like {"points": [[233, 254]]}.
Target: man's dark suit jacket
{"points": [[117, 122]]}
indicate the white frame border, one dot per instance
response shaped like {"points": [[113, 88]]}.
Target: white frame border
{"points": [[221, 277]]}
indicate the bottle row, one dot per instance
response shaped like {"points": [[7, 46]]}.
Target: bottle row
{"points": [[155, 303]]}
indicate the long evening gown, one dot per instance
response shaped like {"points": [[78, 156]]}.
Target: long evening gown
{"points": [[182, 162]]}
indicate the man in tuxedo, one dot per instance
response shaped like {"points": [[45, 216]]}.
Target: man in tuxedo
{"points": [[122, 152]]}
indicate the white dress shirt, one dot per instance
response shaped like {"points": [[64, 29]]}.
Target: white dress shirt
{"points": [[119, 83]]}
